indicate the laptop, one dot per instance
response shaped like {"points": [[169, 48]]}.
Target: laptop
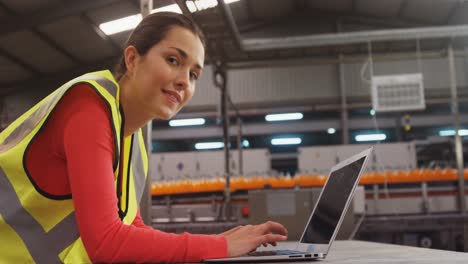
{"points": [[325, 219]]}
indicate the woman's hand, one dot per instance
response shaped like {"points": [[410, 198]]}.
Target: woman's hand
{"points": [[244, 239]]}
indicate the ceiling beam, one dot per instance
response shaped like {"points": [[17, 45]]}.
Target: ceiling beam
{"points": [[253, 44], [56, 46], [54, 80], [42, 36], [332, 17], [20, 62], [382, 22], [367, 19], [100, 33], [49, 14]]}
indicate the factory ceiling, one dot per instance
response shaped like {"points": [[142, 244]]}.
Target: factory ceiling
{"points": [[49, 41]]}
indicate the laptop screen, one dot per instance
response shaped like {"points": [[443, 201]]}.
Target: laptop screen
{"points": [[332, 203]]}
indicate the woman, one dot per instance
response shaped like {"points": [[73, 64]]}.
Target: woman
{"points": [[72, 168]]}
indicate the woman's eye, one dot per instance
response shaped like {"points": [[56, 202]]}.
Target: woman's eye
{"points": [[193, 76], [173, 61]]}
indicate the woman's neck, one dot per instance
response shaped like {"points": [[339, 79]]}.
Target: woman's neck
{"points": [[134, 114]]}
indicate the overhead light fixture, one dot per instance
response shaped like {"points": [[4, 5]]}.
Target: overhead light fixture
{"points": [[121, 24], [174, 8], [451, 132], [372, 112], [286, 141], [209, 145], [187, 122], [370, 137], [331, 130], [245, 143], [283, 117], [200, 5], [130, 22]]}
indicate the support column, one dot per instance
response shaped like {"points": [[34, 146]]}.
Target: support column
{"points": [[146, 200], [342, 84], [344, 108], [240, 164], [220, 80], [458, 140]]}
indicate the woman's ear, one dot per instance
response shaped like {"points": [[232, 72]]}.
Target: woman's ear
{"points": [[130, 55]]}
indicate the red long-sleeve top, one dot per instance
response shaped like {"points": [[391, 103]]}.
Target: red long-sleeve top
{"points": [[74, 154]]}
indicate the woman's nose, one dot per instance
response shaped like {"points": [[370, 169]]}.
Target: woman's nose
{"points": [[183, 80]]}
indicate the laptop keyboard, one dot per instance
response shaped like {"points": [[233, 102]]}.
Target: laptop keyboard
{"points": [[274, 252]]}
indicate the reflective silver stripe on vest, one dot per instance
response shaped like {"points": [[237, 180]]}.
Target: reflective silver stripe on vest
{"points": [[104, 82], [33, 120], [138, 168], [43, 247]]}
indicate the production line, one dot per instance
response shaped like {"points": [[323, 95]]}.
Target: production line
{"points": [[393, 206]]}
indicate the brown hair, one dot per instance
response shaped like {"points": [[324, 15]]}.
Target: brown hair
{"points": [[151, 30]]}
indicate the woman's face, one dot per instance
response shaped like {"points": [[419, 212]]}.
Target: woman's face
{"points": [[163, 80]]}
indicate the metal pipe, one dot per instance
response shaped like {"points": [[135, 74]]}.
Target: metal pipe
{"points": [[425, 198], [231, 23], [398, 125], [354, 37], [458, 142], [350, 58], [375, 189], [221, 82], [239, 146], [225, 123], [344, 109]]}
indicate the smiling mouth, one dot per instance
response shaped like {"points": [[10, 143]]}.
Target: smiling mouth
{"points": [[173, 96]]}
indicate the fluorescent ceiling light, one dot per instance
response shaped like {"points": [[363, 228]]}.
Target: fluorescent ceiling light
{"points": [[209, 145], [199, 5], [286, 141], [169, 8], [331, 130], [370, 137], [187, 122], [130, 22], [121, 24], [451, 132], [203, 4], [283, 117]]}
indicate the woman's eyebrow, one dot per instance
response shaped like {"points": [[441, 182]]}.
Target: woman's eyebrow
{"points": [[184, 55]]}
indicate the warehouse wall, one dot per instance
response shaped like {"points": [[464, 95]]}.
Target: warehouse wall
{"points": [[293, 83], [312, 82]]}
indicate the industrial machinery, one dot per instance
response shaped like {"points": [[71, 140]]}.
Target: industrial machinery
{"points": [[397, 203]]}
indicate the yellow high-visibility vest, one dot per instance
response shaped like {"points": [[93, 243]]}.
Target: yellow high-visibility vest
{"points": [[41, 228]]}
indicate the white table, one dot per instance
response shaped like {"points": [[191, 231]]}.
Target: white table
{"points": [[377, 253]]}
